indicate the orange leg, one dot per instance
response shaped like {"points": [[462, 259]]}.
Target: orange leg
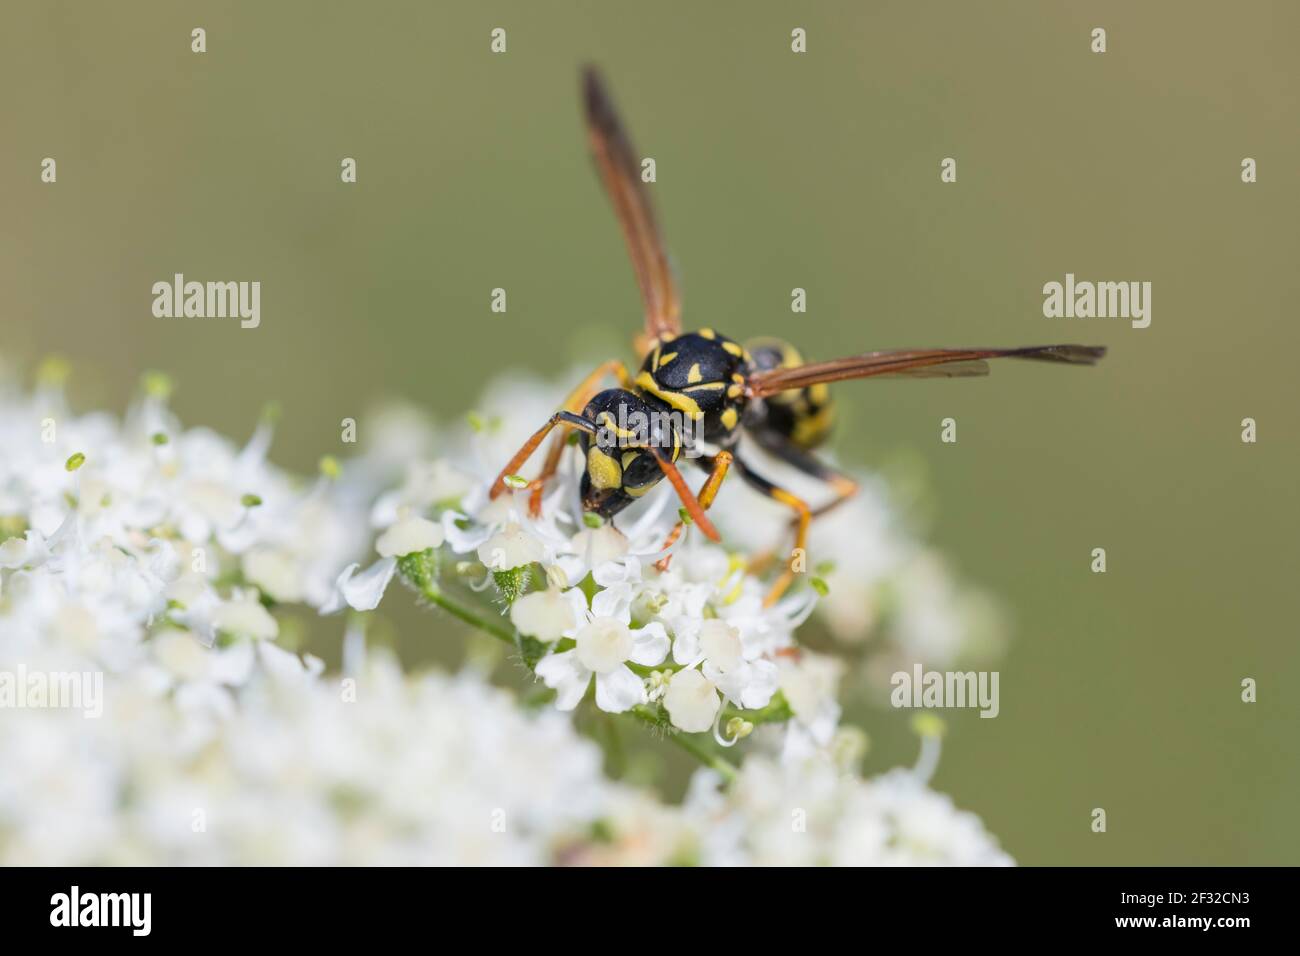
{"points": [[574, 405], [689, 501], [844, 488], [568, 419], [803, 517], [721, 462]]}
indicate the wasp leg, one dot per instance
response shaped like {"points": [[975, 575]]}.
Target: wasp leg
{"points": [[803, 516], [780, 447], [689, 501], [717, 466], [565, 418], [575, 403]]}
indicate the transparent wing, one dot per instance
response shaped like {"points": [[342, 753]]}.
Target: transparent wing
{"points": [[913, 363], [621, 172]]}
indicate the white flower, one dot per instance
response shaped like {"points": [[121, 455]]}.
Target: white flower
{"points": [[363, 591], [810, 683], [411, 534], [692, 701], [275, 573], [244, 616], [890, 820], [548, 615], [512, 547], [733, 668], [124, 567], [604, 646]]}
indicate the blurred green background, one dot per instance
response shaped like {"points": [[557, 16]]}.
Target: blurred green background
{"points": [[775, 170]]}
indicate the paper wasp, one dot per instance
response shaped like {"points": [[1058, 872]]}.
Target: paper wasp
{"points": [[763, 389]]}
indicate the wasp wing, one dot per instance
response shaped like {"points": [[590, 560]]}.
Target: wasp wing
{"points": [[621, 172], [913, 363]]}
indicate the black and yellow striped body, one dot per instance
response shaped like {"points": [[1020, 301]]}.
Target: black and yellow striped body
{"points": [[804, 416], [620, 464], [700, 375]]}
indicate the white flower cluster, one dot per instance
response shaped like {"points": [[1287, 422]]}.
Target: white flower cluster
{"points": [[160, 557], [385, 770], [810, 813], [116, 532]]}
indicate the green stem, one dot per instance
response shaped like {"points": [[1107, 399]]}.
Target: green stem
{"points": [[687, 742], [486, 625]]}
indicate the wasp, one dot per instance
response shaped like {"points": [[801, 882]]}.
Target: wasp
{"points": [[720, 388]]}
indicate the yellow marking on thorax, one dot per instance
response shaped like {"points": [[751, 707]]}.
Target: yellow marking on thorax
{"points": [[733, 348], [683, 403], [707, 334], [665, 359], [694, 375]]}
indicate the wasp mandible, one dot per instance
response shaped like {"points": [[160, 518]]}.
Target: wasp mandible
{"points": [[762, 389]]}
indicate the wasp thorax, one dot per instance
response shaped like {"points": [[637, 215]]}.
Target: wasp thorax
{"points": [[702, 376]]}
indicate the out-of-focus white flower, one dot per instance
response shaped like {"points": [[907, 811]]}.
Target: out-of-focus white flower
{"points": [[810, 813], [306, 772], [604, 646], [810, 683], [243, 616]]}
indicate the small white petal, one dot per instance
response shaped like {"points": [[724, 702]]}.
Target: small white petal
{"points": [[604, 644], [619, 690], [649, 645], [600, 545], [564, 674], [281, 665], [720, 643], [692, 701], [245, 617], [275, 572], [613, 602], [362, 592], [462, 540], [546, 615], [511, 548], [686, 640], [410, 535]]}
